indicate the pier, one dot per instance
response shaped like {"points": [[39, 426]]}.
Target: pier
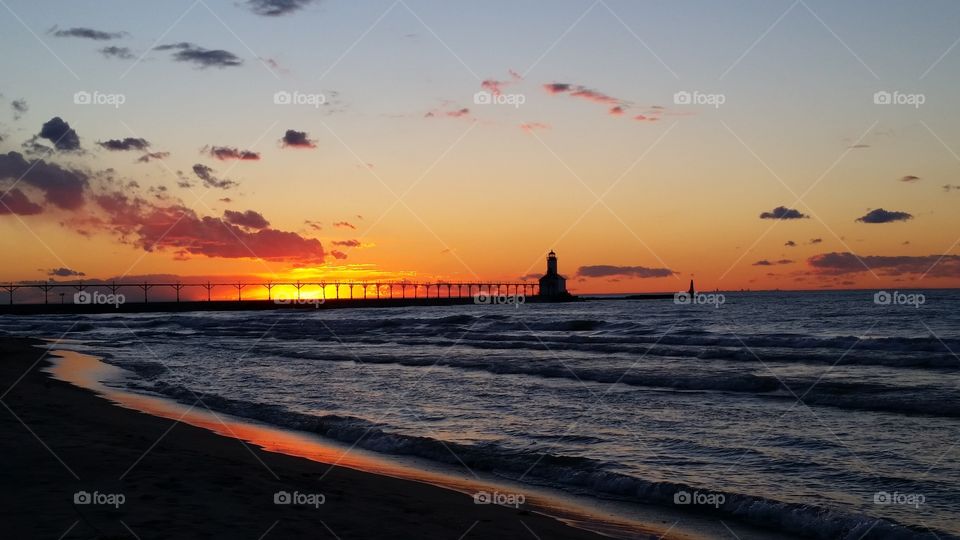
{"points": [[130, 296]]}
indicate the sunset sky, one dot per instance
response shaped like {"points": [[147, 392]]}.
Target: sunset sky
{"points": [[787, 169]]}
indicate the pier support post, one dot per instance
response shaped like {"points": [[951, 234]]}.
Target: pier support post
{"points": [[46, 292], [146, 287], [176, 286], [10, 288], [208, 287]]}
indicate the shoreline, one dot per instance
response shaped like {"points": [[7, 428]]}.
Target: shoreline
{"points": [[65, 439], [178, 480]]}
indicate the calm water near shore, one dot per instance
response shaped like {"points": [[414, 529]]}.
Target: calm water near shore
{"points": [[817, 412]]}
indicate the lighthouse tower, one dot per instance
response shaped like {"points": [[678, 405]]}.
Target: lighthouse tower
{"points": [[552, 284]]}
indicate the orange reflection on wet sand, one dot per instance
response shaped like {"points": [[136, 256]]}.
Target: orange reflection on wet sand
{"points": [[88, 371]]}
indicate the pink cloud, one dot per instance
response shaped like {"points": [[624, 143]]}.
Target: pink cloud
{"points": [[530, 127], [16, 202], [496, 87], [455, 113]]}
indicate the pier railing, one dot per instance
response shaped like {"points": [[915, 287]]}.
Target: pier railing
{"points": [[341, 289]]}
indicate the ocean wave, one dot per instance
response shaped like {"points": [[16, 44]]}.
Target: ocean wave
{"points": [[922, 400], [572, 473]]}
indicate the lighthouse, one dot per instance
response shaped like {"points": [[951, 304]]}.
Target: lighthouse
{"points": [[552, 284]]}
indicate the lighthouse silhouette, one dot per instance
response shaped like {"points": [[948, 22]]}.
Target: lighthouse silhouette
{"points": [[552, 284]]}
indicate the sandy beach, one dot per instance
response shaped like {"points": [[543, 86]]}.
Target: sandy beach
{"points": [[148, 477]]}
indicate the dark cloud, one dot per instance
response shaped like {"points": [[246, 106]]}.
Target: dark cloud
{"points": [[347, 243], [909, 178], [19, 107], [455, 113], [123, 53], [790, 243], [297, 139], [64, 272], [16, 202], [150, 156], [86, 33], [274, 8], [765, 262], [816, 240], [950, 187], [895, 265], [344, 225], [582, 92], [313, 225], [337, 254], [880, 215], [557, 88], [60, 134], [61, 187], [224, 153], [782, 212], [605, 270], [250, 219], [206, 174], [129, 143], [202, 58]]}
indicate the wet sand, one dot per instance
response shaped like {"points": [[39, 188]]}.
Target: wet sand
{"points": [[154, 477]]}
